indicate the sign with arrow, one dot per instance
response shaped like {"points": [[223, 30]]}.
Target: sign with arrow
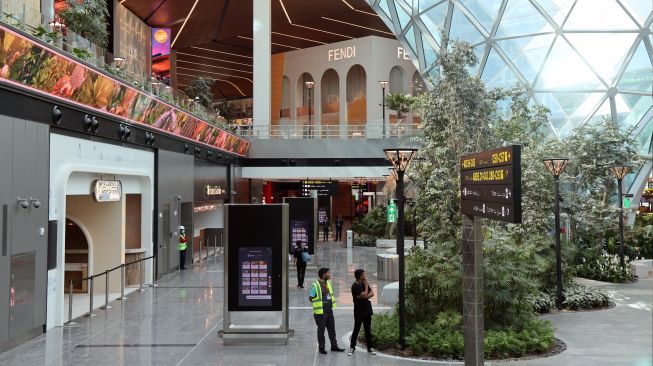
{"points": [[392, 213]]}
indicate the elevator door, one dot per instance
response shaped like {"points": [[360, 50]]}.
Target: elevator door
{"points": [[21, 294], [164, 242]]}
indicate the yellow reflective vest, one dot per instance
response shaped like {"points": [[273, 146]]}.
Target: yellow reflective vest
{"points": [[317, 301], [182, 242]]}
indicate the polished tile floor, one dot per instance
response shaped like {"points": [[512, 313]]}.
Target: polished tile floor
{"points": [[177, 323]]}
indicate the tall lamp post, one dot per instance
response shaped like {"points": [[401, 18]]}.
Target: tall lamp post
{"points": [[360, 181], [383, 84], [556, 166], [400, 159], [620, 171], [309, 86]]}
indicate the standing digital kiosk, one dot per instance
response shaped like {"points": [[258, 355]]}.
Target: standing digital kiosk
{"points": [[256, 274], [303, 224]]}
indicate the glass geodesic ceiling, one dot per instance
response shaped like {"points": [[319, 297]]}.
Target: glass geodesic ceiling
{"points": [[586, 60]]}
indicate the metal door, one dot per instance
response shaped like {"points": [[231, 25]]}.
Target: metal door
{"points": [[164, 242]]}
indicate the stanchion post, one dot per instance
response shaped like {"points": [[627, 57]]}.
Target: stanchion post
{"points": [[122, 283], [140, 275], [106, 291], [70, 321], [90, 298]]}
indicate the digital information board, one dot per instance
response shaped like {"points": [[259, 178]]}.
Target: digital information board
{"points": [[490, 184], [298, 231], [255, 276], [302, 213], [323, 187]]}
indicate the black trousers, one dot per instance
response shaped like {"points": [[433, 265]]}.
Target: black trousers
{"points": [[182, 259], [338, 234], [301, 271], [326, 235], [366, 321], [327, 321]]}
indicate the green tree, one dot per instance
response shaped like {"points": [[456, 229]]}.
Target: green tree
{"points": [[400, 103], [200, 88], [89, 19]]}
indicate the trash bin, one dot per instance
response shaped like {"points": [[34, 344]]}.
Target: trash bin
{"points": [[350, 238], [387, 267]]}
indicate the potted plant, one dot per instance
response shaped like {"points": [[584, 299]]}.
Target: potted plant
{"points": [[400, 103], [200, 91], [88, 19]]}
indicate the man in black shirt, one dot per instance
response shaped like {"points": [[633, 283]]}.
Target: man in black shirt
{"points": [[299, 263], [362, 293]]}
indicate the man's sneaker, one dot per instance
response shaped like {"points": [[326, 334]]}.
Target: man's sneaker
{"points": [[337, 349], [371, 351], [322, 351], [350, 351]]}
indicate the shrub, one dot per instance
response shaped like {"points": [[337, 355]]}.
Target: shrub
{"points": [[364, 241], [604, 267], [576, 297], [579, 297], [443, 338]]}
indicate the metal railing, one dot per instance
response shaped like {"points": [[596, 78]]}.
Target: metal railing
{"points": [[300, 130], [91, 280], [217, 249]]}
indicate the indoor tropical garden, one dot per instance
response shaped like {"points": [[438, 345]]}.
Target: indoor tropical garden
{"points": [[460, 115]]}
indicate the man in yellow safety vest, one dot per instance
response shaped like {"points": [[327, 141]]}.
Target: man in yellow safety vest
{"points": [[323, 301], [182, 247]]}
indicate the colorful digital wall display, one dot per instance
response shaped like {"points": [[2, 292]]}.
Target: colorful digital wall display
{"points": [[255, 276], [27, 63], [160, 41], [298, 231]]}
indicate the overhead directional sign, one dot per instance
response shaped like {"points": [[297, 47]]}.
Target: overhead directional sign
{"points": [[490, 184], [323, 187]]}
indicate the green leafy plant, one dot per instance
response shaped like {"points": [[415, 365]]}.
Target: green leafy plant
{"points": [[82, 54], [88, 18], [50, 37], [602, 266], [400, 103], [200, 90], [579, 297], [364, 241], [542, 301]]}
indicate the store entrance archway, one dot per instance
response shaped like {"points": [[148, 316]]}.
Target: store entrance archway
{"points": [[76, 255]]}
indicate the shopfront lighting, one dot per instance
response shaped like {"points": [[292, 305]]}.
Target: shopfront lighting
{"points": [[119, 62], [400, 159], [556, 166], [620, 171]]}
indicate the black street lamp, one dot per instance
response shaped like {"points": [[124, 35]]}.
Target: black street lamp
{"points": [[400, 158], [556, 166], [309, 86], [620, 171], [383, 84]]}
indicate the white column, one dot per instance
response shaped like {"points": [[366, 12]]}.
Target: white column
{"points": [[342, 101], [262, 108]]}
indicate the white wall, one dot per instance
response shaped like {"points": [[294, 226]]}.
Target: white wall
{"points": [[74, 164], [208, 219], [376, 55]]}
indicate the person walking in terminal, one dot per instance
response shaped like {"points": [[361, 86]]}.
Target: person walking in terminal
{"points": [[362, 293], [339, 223], [182, 247], [300, 263], [325, 229], [323, 302]]}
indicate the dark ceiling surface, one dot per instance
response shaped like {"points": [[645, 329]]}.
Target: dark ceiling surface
{"points": [[216, 40]]}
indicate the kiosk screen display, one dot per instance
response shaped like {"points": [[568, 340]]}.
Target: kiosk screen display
{"points": [[255, 265], [298, 231], [321, 215]]}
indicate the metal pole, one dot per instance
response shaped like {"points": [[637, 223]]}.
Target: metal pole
{"points": [[414, 230], [70, 304], [200, 252], [140, 275], [473, 324], [122, 283], [400, 251], [559, 289], [106, 290], [310, 124], [90, 293], [621, 226], [383, 102]]}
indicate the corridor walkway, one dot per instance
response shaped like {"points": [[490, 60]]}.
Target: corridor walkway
{"points": [[177, 322]]}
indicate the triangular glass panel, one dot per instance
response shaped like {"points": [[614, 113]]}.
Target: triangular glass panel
{"points": [[639, 9], [557, 115], [631, 108], [383, 4], [587, 13], [572, 102], [429, 52], [602, 113], [497, 74], [520, 17], [584, 108], [404, 17], [644, 137], [605, 52], [410, 38], [434, 20], [557, 9], [425, 4], [484, 11], [462, 29], [638, 75], [565, 70], [527, 53]]}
